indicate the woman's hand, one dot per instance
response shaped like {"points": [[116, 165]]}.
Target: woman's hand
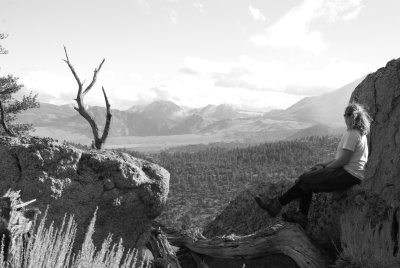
{"points": [[321, 165], [315, 168]]}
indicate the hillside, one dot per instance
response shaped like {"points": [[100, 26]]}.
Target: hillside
{"points": [[327, 108], [317, 130]]}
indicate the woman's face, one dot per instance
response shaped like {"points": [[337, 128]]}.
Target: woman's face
{"points": [[347, 119]]}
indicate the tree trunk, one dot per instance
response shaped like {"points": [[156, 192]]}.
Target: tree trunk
{"points": [[3, 123], [281, 239]]}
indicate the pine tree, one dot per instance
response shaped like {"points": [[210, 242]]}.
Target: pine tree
{"points": [[9, 106]]}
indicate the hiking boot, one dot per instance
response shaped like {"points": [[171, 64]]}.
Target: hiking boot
{"points": [[296, 217], [272, 206]]}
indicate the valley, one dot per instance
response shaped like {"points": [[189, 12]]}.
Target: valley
{"points": [[204, 179]]}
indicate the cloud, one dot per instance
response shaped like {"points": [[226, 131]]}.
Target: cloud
{"points": [[275, 76], [293, 29], [340, 9], [204, 68], [136, 76], [354, 14], [173, 15], [143, 3], [199, 6], [43, 83], [244, 81], [161, 93], [256, 13], [122, 89], [197, 91]]}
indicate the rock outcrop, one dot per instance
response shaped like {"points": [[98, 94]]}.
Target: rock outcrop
{"points": [[128, 192], [243, 216], [380, 93]]}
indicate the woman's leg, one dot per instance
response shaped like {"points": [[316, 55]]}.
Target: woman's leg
{"points": [[327, 180], [305, 203], [321, 180], [292, 194]]}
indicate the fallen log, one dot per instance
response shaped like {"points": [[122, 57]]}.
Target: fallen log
{"points": [[281, 239]]}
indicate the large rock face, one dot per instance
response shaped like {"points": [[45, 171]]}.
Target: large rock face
{"points": [[128, 192], [380, 92]]}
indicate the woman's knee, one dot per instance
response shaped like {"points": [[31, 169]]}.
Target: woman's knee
{"points": [[303, 186], [301, 177]]}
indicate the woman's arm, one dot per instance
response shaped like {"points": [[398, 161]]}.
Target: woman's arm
{"points": [[320, 165], [342, 160], [324, 164]]}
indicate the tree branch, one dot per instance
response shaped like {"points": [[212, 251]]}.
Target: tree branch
{"points": [[94, 78], [108, 118], [73, 71]]}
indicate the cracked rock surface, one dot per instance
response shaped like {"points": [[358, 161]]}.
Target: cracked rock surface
{"points": [[128, 192], [380, 92]]}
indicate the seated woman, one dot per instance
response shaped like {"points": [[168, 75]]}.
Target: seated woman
{"points": [[346, 170]]}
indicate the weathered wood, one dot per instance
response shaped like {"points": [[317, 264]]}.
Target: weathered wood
{"points": [[15, 222], [164, 254], [287, 239], [199, 261], [98, 142]]}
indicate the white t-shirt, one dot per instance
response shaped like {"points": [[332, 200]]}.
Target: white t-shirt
{"points": [[353, 140]]}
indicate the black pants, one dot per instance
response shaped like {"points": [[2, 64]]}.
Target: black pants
{"points": [[321, 180]]}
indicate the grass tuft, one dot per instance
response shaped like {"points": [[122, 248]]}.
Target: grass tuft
{"points": [[52, 248], [364, 246]]}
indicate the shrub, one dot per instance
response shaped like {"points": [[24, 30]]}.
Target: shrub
{"points": [[51, 247]]}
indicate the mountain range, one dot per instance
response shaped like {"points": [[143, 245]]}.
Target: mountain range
{"points": [[319, 115]]}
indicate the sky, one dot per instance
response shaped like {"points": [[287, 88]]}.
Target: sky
{"points": [[254, 54]]}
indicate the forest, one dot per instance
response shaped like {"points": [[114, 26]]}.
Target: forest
{"points": [[204, 179]]}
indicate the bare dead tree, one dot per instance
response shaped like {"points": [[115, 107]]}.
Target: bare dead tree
{"points": [[98, 141]]}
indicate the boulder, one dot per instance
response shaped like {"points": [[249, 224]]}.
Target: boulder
{"points": [[243, 216], [380, 93], [128, 192]]}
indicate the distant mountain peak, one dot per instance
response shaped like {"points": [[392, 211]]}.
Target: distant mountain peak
{"points": [[326, 108]]}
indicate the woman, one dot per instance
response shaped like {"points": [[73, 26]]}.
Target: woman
{"points": [[346, 170]]}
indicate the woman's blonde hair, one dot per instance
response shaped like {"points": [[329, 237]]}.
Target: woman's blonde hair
{"points": [[360, 119]]}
